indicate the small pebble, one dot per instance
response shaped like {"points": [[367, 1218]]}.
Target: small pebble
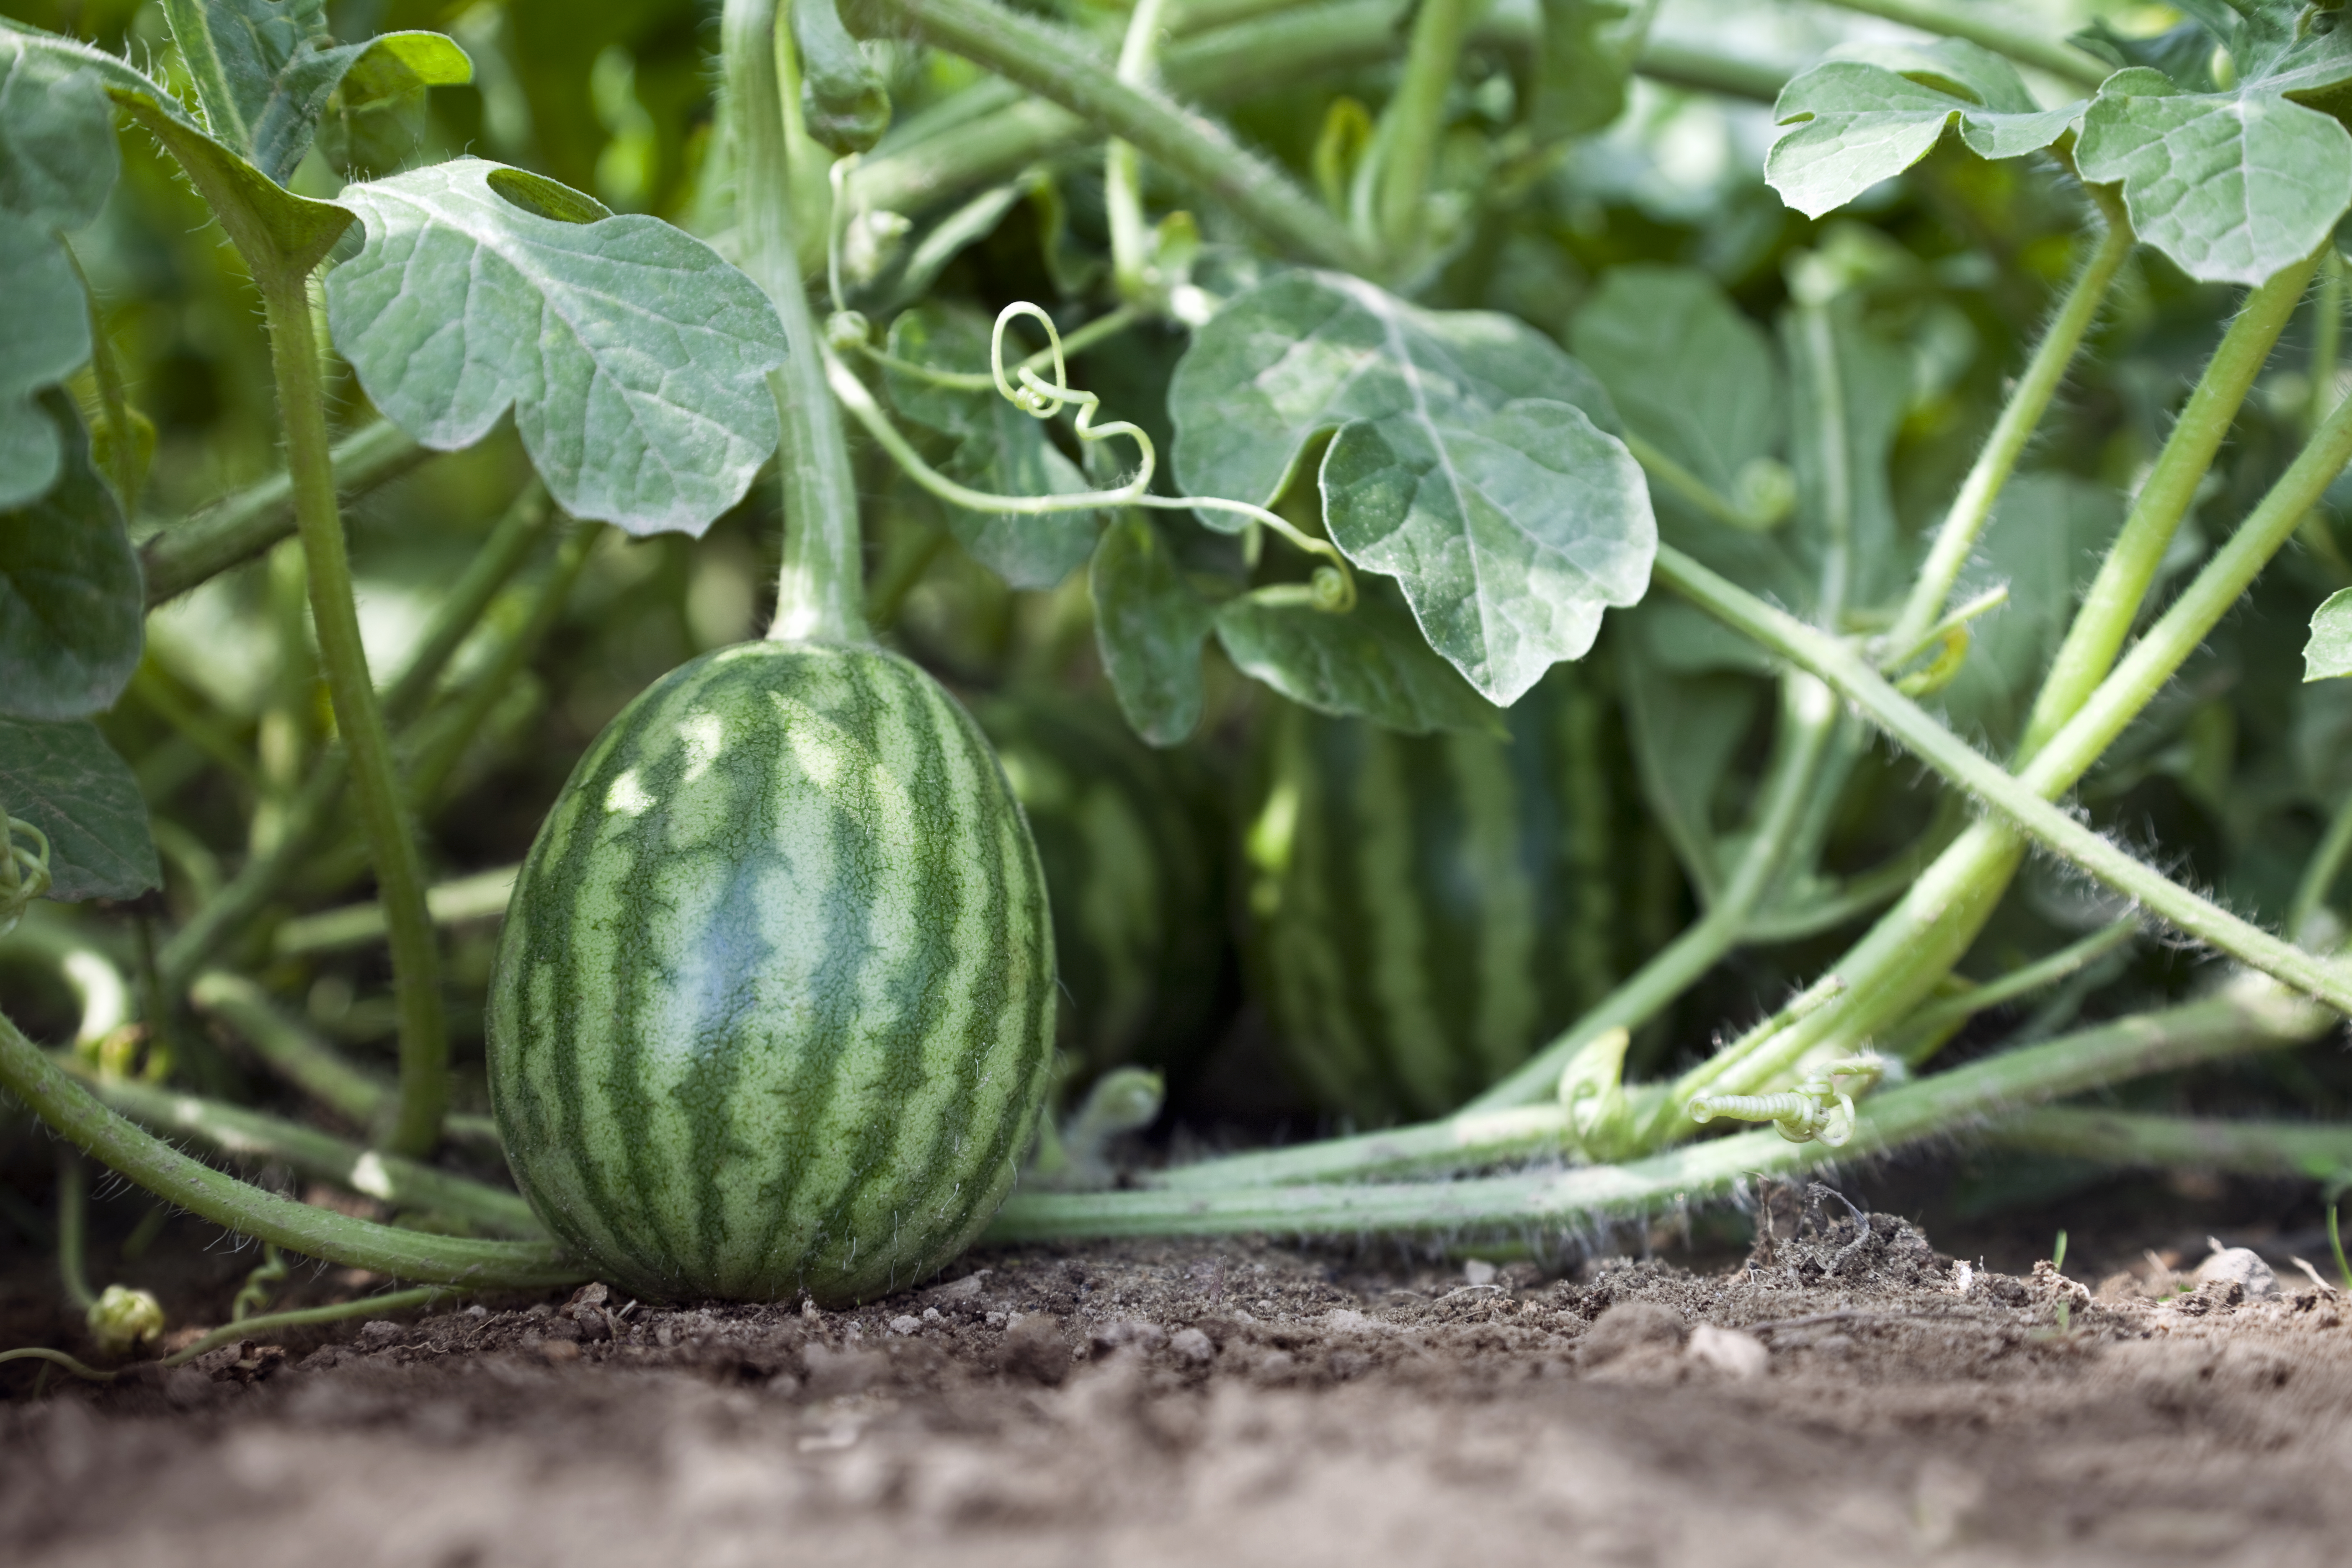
{"points": [[2239, 1265], [1478, 1271], [1192, 1345], [1737, 1355], [906, 1323]]}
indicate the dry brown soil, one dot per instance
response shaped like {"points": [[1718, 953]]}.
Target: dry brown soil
{"points": [[1840, 1396]]}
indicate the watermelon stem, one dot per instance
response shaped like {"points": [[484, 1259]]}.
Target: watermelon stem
{"points": [[820, 585], [82, 1119], [2246, 1014]]}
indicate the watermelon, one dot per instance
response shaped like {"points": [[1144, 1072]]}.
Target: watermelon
{"points": [[1421, 906], [1133, 857], [773, 1010]]}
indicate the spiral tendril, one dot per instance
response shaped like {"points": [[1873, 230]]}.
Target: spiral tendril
{"points": [[1817, 1109], [24, 872]]}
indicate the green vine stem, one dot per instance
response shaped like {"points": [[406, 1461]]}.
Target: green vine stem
{"points": [[1055, 66], [1927, 1028], [1131, 239], [1808, 716], [1913, 946], [195, 549], [400, 871], [83, 1120], [2112, 603], [2296, 1150], [820, 588], [442, 740], [1972, 507], [2319, 876], [73, 1229], [252, 1134], [375, 1306], [1404, 150], [288, 1050], [1984, 25], [2247, 1014]]}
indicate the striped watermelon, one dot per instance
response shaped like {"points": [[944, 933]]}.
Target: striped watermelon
{"points": [[1132, 855], [1418, 905], [773, 1006]]}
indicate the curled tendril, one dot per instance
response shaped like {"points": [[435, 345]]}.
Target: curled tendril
{"points": [[1816, 1108], [1332, 586], [259, 1285], [24, 872]]}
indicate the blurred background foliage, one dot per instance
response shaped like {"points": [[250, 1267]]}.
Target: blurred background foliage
{"points": [[2230, 780]]}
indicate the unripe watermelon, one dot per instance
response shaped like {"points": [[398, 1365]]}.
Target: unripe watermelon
{"points": [[773, 1006], [1132, 854], [1420, 906]]}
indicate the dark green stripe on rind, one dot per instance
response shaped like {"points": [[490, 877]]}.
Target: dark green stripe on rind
{"points": [[1413, 904], [773, 1010]]}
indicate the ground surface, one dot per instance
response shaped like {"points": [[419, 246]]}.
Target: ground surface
{"points": [[1840, 1396]]}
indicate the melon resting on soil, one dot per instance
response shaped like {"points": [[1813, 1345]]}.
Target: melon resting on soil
{"points": [[773, 1007]]}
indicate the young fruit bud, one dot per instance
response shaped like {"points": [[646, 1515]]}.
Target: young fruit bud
{"points": [[122, 1318]]}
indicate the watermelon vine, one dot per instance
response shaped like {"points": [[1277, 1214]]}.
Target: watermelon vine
{"points": [[1557, 714]]}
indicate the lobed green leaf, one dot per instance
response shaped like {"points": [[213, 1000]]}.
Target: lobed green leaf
{"points": [[57, 165], [633, 356], [1851, 122], [65, 779], [1370, 663], [2327, 655], [1150, 624], [72, 608], [1471, 459]]}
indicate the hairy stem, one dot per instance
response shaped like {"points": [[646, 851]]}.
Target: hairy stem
{"points": [[400, 872], [2250, 1014], [1054, 65], [2113, 602], [2028, 400], [77, 1115], [1808, 715], [73, 1229], [320, 1156], [1931, 1024], [2319, 876], [821, 591], [2290, 1149], [196, 550]]}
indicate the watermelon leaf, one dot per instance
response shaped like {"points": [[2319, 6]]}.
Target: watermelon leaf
{"points": [[71, 608], [57, 165], [995, 446], [2327, 655], [2230, 185], [266, 71], [633, 356], [1853, 121], [1150, 624], [65, 779], [1474, 460], [1369, 662]]}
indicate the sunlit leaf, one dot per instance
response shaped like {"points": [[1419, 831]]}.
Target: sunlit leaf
{"points": [[1849, 123], [2230, 185], [2328, 654], [1473, 461], [71, 609], [633, 356]]}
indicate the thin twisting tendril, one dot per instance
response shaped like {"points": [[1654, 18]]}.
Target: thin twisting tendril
{"points": [[1817, 1109], [24, 871], [1333, 586]]}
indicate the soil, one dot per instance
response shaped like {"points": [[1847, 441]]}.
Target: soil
{"points": [[1844, 1394]]}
